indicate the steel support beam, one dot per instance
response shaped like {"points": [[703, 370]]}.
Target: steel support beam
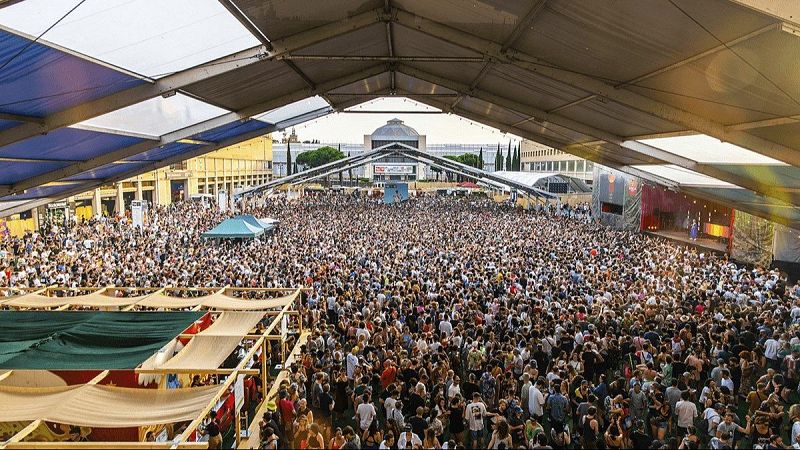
{"points": [[442, 59], [594, 86], [188, 132], [21, 118], [248, 24], [512, 38], [315, 171], [586, 152], [340, 169], [655, 154], [784, 10], [34, 203], [777, 121], [604, 159], [187, 77]]}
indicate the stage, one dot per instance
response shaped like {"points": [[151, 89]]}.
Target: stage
{"points": [[682, 238]]}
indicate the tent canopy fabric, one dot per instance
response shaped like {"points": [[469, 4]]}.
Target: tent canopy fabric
{"points": [[534, 178], [610, 107], [84, 340], [232, 323], [210, 348], [258, 223], [217, 301], [96, 299], [203, 352], [235, 228], [103, 406]]}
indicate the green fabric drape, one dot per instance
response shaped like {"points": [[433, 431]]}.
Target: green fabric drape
{"points": [[84, 340]]}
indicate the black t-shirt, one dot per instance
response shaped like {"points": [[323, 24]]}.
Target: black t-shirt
{"points": [[640, 440], [212, 429], [325, 401], [469, 389], [418, 425]]}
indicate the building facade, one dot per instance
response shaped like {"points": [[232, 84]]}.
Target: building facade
{"points": [[246, 164], [535, 157], [395, 168]]}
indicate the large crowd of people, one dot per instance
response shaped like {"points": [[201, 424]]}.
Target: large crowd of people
{"points": [[459, 322]]}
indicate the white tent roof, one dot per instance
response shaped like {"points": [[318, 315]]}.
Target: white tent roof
{"points": [[622, 85]]}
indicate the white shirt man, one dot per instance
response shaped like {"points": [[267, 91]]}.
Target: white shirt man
{"points": [[366, 414], [475, 412], [446, 327], [535, 401], [352, 363], [686, 412], [408, 437], [771, 347], [390, 405]]}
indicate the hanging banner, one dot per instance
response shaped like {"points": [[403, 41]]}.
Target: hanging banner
{"points": [[238, 392], [222, 200], [393, 169], [137, 213]]}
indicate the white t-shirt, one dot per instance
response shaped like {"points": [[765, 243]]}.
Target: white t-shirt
{"points": [[771, 347], [795, 431], [686, 412], [366, 414], [475, 412], [535, 401], [389, 404], [402, 440], [712, 417], [352, 362], [445, 327]]}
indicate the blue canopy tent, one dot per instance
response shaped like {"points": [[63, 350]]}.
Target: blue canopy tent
{"points": [[236, 228], [256, 223]]}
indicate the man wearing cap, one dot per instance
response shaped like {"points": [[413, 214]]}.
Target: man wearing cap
{"points": [[408, 439]]}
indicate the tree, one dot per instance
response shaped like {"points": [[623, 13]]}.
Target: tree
{"points": [[515, 161], [288, 158], [319, 157], [498, 159], [480, 159], [509, 158]]}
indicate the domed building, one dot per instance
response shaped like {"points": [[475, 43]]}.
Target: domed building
{"points": [[395, 168]]}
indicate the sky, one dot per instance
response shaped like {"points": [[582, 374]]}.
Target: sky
{"points": [[439, 128]]}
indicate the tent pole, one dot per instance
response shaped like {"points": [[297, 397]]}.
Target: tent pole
{"points": [[22, 433], [264, 370]]}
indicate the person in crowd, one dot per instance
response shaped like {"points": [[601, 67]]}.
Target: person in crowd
{"points": [[442, 316]]}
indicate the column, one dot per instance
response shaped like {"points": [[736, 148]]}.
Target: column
{"points": [[97, 205], [119, 205], [156, 189], [138, 189], [35, 217]]}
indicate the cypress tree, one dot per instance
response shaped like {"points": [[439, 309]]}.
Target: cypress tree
{"points": [[509, 158], [480, 159]]}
